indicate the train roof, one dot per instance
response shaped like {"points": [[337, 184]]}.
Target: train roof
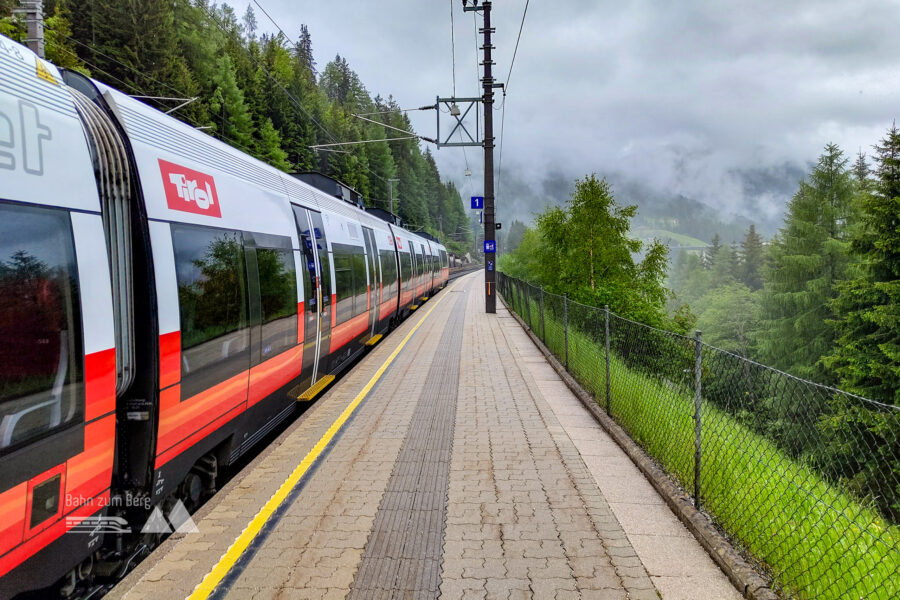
{"points": [[154, 128]]}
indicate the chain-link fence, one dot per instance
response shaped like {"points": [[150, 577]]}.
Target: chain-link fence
{"points": [[804, 478]]}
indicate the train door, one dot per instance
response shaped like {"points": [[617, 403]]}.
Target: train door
{"points": [[414, 274], [432, 263], [316, 292], [374, 298], [425, 274]]}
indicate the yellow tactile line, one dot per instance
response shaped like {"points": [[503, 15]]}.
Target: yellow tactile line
{"points": [[243, 541]]}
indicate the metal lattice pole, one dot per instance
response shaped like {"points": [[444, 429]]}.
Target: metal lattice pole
{"points": [[698, 361]]}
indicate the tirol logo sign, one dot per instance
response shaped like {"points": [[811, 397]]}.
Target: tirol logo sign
{"points": [[189, 190]]}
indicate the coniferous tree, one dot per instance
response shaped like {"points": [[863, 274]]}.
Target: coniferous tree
{"points": [[736, 260], [807, 258], [722, 271], [866, 355], [304, 52], [861, 170], [709, 254], [516, 233], [229, 112], [249, 24], [269, 146], [752, 257], [255, 91]]}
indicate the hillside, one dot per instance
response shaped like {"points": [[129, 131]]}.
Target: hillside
{"points": [[261, 93]]}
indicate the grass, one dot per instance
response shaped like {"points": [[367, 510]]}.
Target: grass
{"points": [[817, 540]]}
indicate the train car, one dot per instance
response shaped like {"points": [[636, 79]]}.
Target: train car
{"points": [[165, 302], [58, 356]]}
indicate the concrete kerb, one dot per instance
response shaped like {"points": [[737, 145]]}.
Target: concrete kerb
{"points": [[744, 577]]}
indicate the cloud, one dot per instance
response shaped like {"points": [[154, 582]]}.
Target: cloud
{"points": [[726, 102]]}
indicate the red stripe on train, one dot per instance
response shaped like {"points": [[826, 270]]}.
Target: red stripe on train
{"points": [[169, 359], [300, 322], [348, 331], [99, 383], [178, 419], [84, 489], [333, 310], [267, 377], [22, 553]]}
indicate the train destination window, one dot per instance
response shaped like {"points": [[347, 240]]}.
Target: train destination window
{"points": [[278, 299], [41, 357], [212, 300]]}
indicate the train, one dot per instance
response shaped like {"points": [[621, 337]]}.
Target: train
{"points": [[165, 302]]}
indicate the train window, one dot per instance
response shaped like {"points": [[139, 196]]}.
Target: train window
{"points": [[389, 273], [406, 265], [360, 283], [278, 299], [41, 356], [212, 301], [350, 281], [343, 282]]}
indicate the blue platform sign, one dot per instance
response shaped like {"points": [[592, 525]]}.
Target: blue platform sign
{"points": [[477, 202], [490, 265], [490, 246]]}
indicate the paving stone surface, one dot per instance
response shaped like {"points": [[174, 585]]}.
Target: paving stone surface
{"points": [[403, 552], [468, 472], [678, 566]]}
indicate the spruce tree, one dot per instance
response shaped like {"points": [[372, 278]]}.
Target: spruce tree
{"points": [[722, 272], [807, 258], [249, 24], [752, 256], [268, 148], [304, 52], [711, 251], [861, 170], [866, 355], [229, 112]]}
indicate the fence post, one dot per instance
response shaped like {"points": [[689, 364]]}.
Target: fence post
{"points": [[519, 300], [543, 322], [566, 326], [698, 356], [608, 403]]}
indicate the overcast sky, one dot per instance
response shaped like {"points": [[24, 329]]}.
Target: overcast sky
{"points": [[725, 102]]}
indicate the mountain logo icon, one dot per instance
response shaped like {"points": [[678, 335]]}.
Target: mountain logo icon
{"points": [[179, 521]]}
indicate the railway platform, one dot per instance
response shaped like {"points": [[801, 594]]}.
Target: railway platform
{"points": [[450, 462]]}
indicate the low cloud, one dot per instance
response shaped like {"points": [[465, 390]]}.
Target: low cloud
{"points": [[727, 103]]}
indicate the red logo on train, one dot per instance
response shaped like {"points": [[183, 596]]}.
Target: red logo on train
{"points": [[190, 191]]}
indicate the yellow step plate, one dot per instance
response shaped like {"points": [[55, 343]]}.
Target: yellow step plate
{"points": [[374, 339], [314, 390], [424, 298], [414, 307]]}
